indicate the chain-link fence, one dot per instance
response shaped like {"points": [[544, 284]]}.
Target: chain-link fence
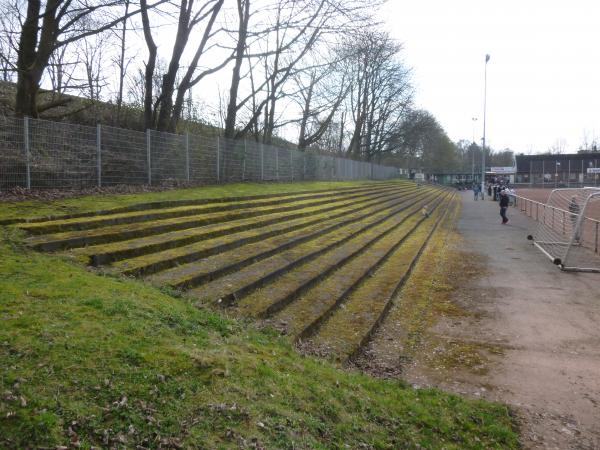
{"points": [[42, 154]]}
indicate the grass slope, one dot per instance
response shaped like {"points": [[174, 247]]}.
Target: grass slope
{"points": [[37, 208], [100, 361]]}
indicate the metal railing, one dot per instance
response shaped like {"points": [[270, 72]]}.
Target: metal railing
{"points": [[37, 153], [528, 206]]}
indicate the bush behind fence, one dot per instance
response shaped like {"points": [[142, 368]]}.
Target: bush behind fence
{"points": [[37, 153]]}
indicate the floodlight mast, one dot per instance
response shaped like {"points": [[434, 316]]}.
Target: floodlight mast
{"points": [[487, 58], [473, 145]]}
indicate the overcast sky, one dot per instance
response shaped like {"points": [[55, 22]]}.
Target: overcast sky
{"points": [[543, 76]]}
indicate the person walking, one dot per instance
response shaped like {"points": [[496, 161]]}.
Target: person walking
{"points": [[476, 192], [503, 205]]}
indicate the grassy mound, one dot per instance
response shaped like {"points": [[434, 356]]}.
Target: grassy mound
{"points": [[110, 362]]}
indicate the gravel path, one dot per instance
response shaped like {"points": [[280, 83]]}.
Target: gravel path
{"points": [[549, 324]]}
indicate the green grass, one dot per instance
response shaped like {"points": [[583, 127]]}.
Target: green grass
{"points": [[111, 362], [37, 208]]}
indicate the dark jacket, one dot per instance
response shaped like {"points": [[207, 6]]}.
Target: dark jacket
{"points": [[503, 201]]}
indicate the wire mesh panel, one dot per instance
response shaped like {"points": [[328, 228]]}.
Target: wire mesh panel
{"points": [[384, 172], [168, 159], [324, 167], [567, 228], [43, 154], [13, 157], [298, 166], [582, 253], [253, 161], [232, 160], [62, 155], [270, 161], [284, 164], [310, 166], [124, 156], [203, 159]]}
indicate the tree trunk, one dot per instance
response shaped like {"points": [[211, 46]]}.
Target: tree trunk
{"points": [[150, 65], [244, 16], [25, 104], [122, 65], [306, 113]]}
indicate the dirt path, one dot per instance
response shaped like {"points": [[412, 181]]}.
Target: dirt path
{"points": [[546, 324]]}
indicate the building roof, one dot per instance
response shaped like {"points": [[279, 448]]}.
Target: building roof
{"points": [[559, 157]]}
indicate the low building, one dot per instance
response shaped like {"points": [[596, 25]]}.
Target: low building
{"points": [[454, 178], [568, 170]]}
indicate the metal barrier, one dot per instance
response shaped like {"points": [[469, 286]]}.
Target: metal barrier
{"points": [[528, 206], [37, 153]]}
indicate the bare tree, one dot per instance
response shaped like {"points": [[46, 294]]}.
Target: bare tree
{"points": [[8, 44], [321, 95], [163, 114], [243, 9], [92, 53], [558, 147], [47, 26], [281, 45], [121, 62], [381, 93], [61, 70]]}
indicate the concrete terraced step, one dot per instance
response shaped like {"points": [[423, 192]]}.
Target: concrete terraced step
{"points": [[114, 233], [185, 202], [312, 289], [286, 230], [111, 252], [211, 267], [230, 289], [344, 331], [91, 222]]}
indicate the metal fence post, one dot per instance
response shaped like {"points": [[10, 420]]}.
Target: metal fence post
{"points": [[304, 166], [332, 163], [291, 165], [218, 159], [276, 163], [99, 153], [244, 162], [148, 157], [187, 156], [262, 162], [27, 152]]}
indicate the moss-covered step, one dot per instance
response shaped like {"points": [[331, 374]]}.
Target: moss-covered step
{"points": [[350, 262], [419, 303], [285, 233], [310, 309], [207, 263], [87, 223], [187, 202], [115, 233], [108, 253], [347, 328], [228, 290]]}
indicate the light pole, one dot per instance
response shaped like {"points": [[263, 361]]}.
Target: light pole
{"points": [[474, 119], [487, 58]]}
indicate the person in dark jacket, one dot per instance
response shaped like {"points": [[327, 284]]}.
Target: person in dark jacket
{"points": [[503, 206]]}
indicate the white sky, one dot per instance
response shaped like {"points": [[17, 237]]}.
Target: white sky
{"points": [[543, 75]]}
